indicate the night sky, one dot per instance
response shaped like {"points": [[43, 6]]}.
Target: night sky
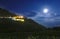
{"points": [[33, 9]]}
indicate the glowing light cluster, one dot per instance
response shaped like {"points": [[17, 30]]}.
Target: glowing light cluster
{"points": [[18, 18]]}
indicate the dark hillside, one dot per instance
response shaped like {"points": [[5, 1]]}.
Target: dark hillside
{"points": [[7, 24]]}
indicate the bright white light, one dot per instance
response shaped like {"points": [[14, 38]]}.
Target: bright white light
{"points": [[45, 10], [22, 20]]}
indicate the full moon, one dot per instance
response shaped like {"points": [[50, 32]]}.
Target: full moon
{"points": [[45, 10]]}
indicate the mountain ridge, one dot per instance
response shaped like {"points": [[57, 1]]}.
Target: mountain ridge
{"points": [[10, 25]]}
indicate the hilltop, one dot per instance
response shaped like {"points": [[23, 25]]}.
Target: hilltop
{"points": [[10, 25]]}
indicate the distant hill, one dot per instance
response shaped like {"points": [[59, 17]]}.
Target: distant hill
{"points": [[9, 25]]}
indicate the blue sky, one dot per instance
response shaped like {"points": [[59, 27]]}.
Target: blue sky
{"points": [[34, 9]]}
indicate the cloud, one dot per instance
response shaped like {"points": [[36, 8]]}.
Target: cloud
{"points": [[46, 17], [48, 20], [30, 14]]}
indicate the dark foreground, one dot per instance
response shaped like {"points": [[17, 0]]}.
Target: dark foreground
{"points": [[28, 30], [30, 35]]}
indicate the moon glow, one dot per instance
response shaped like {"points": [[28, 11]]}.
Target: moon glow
{"points": [[45, 10]]}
